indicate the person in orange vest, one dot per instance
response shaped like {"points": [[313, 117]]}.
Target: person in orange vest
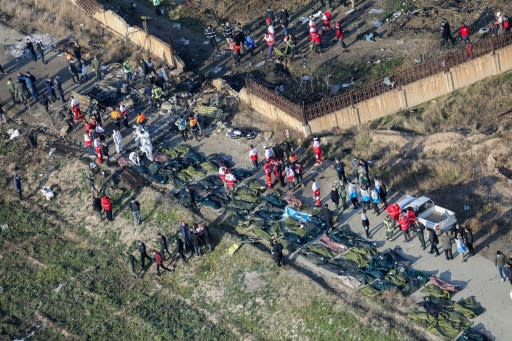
{"points": [[140, 119], [293, 158], [317, 150], [290, 177], [99, 152], [464, 33], [194, 126], [405, 227], [315, 187], [106, 205], [268, 173], [253, 154], [231, 181]]}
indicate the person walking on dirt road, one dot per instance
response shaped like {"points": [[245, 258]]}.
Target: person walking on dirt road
{"points": [[432, 238], [446, 243]]}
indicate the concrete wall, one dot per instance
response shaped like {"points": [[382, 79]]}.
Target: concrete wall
{"points": [[408, 96], [270, 111]]}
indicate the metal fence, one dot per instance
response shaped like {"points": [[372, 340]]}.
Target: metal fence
{"points": [[431, 67]]}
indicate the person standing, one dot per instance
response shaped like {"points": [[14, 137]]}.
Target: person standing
{"points": [[185, 233], [195, 243], [211, 35], [12, 91], [290, 177], [353, 193], [390, 227], [253, 155], [340, 35], [57, 85], [96, 65], [277, 251], [180, 249], [446, 32], [446, 243], [231, 181], [374, 194], [135, 207], [298, 169], [40, 50], [342, 191], [143, 254], [432, 237], [317, 150], [335, 197], [326, 216], [267, 167], [77, 51], [500, 262], [420, 230], [127, 69], [131, 262], [405, 227], [159, 261], [17, 186], [464, 33], [106, 205], [468, 239], [315, 188], [117, 137], [339, 166], [30, 47], [366, 223], [461, 247]]}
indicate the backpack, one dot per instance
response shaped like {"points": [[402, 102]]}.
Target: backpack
{"points": [[249, 42]]}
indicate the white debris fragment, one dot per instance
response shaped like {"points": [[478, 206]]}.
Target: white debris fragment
{"points": [[176, 26], [184, 41], [376, 23], [376, 11], [13, 133]]}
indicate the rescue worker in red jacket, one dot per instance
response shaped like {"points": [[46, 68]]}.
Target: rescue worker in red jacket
{"points": [[317, 150], [222, 174], [464, 33], [393, 211], [99, 150], [340, 35], [315, 41], [253, 154], [411, 215], [405, 227], [231, 181], [326, 21], [268, 173], [290, 177], [106, 205], [75, 109], [315, 188]]}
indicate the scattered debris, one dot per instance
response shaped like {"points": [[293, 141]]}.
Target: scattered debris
{"points": [[4, 227], [376, 23], [47, 193], [13, 133], [376, 11]]}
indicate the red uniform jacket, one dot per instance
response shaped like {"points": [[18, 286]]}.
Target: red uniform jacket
{"points": [[106, 203]]}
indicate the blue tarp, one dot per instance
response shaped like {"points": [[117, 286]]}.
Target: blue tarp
{"points": [[297, 215]]}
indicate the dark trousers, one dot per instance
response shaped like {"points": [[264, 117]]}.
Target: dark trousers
{"points": [[355, 202], [184, 134], [161, 266], [407, 236], [433, 247], [470, 248], [341, 176], [13, 97], [279, 259], [163, 250], [109, 215], [144, 256], [20, 195], [213, 43], [366, 226], [421, 237], [448, 254], [255, 164]]}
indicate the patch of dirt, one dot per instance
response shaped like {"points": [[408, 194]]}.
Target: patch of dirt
{"points": [[439, 142], [254, 281]]}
